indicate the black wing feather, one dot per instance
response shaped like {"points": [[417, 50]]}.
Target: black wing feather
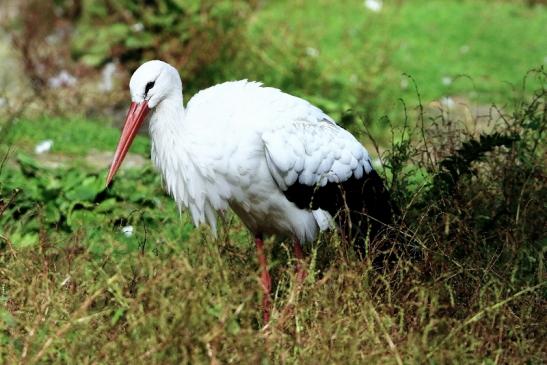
{"points": [[360, 206]]}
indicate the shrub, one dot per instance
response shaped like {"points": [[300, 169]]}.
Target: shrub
{"points": [[190, 34], [482, 194], [64, 44]]}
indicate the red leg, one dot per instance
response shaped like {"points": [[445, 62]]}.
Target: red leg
{"points": [[300, 271], [265, 279]]}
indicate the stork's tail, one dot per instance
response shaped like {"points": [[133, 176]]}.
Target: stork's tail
{"points": [[367, 212], [362, 207]]}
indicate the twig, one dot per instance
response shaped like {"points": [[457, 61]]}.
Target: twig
{"points": [[12, 198], [387, 336], [4, 159], [10, 245], [420, 115]]}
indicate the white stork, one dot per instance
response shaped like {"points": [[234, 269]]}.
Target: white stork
{"points": [[279, 162]]}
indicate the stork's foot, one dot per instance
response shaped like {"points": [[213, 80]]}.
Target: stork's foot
{"points": [[265, 279], [301, 272]]}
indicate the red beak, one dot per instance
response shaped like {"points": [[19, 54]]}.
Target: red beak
{"points": [[135, 117]]}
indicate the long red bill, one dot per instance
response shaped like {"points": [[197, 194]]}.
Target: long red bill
{"points": [[135, 116]]}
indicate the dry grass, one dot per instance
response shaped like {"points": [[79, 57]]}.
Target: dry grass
{"points": [[64, 305], [465, 282]]}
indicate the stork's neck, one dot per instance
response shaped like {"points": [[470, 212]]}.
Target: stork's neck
{"points": [[167, 118], [169, 148], [166, 125]]}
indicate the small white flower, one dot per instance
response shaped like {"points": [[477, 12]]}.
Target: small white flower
{"points": [[448, 102], [63, 78], [312, 52], [137, 27], [374, 5], [127, 231], [43, 147], [447, 80], [404, 83], [464, 49]]}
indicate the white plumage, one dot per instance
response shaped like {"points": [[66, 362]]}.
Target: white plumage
{"points": [[242, 145]]}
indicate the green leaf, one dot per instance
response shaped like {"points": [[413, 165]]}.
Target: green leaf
{"points": [[118, 314], [52, 213], [22, 240], [214, 310], [233, 327], [87, 190], [83, 218], [27, 163], [91, 59], [107, 205]]}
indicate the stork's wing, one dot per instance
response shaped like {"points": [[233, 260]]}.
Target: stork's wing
{"points": [[307, 159]]}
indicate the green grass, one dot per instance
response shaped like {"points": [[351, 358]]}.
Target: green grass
{"points": [[361, 56], [71, 136]]}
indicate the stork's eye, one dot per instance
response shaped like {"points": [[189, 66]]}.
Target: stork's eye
{"points": [[148, 87]]}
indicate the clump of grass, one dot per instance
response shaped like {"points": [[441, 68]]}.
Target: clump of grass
{"points": [[465, 283]]}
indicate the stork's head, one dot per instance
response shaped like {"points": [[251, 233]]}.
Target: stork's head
{"points": [[151, 83]]}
